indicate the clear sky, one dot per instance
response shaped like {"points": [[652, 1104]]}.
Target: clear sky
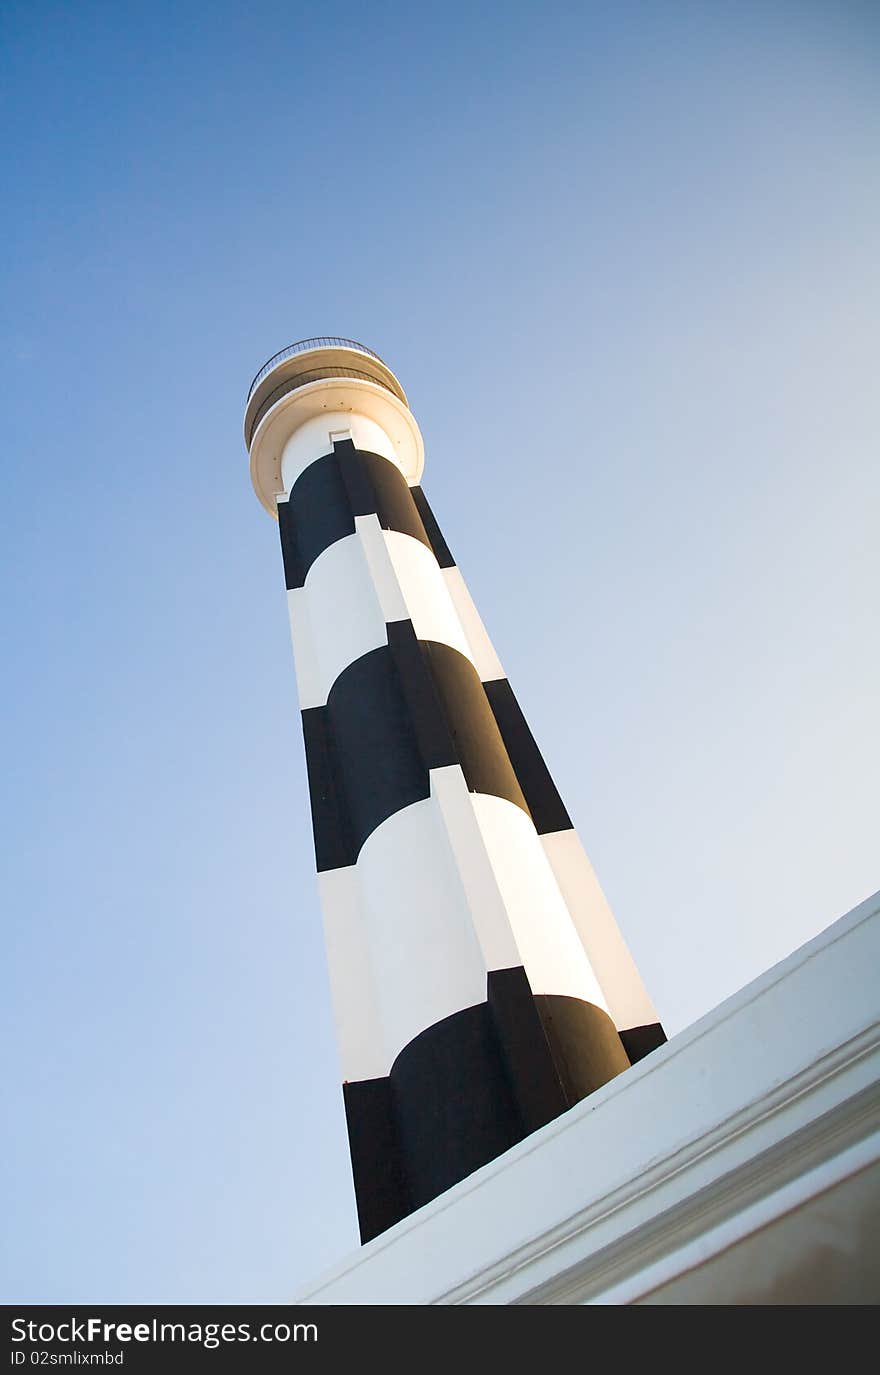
{"points": [[624, 259]]}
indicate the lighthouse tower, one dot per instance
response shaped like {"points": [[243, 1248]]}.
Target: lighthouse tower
{"points": [[480, 983]]}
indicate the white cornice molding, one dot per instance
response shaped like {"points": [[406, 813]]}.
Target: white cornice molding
{"points": [[658, 1241]]}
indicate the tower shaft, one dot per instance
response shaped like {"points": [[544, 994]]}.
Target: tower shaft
{"points": [[480, 983]]}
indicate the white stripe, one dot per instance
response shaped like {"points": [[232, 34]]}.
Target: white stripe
{"points": [[353, 588], [308, 676], [443, 891], [423, 948], [488, 913], [628, 1001], [335, 618], [553, 956], [482, 650], [425, 592], [388, 591], [352, 980]]}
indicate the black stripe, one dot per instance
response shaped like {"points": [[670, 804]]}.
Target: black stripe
{"points": [[376, 486], [318, 514], [545, 804], [391, 716], [438, 543], [380, 765], [293, 574], [587, 1050], [354, 477], [427, 721], [525, 1048], [447, 700], [377, 1165], [477, 741], [331, 826], [467, 1089], [327, 496], [454, 1105], [639, 1041]]}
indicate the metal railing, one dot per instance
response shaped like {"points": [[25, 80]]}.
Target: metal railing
{"points": [[302, 379], [303, 346]]}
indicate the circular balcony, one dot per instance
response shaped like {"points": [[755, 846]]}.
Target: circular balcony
{"points": [[311, 360], [326, 376], [305, 346]]}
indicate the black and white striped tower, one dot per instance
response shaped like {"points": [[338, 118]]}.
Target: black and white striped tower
{"points": [[480, 983]]}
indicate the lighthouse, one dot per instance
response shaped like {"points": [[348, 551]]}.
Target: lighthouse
{"points": [[480, 984]]}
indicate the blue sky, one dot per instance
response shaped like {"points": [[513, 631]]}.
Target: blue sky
{"points": [[623, 258]]}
